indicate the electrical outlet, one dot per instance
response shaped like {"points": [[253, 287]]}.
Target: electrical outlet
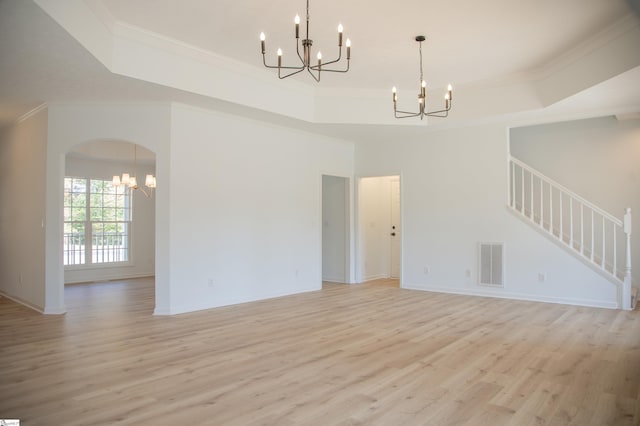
{"points": [[467, 273], [210, 282], [427, 270], [542, 277]]}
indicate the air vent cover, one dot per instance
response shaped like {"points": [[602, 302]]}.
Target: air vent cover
{"points": [[491, 264]]}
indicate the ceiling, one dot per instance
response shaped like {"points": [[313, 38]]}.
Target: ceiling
{"points": [[469, 43]]}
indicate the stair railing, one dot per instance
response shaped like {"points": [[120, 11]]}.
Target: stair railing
{"points": [[590, 232]]}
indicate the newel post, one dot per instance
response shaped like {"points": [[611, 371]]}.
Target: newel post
{"points": [[626, 286]]}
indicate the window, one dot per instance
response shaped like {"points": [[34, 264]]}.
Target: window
{"points": [[97, 222]]}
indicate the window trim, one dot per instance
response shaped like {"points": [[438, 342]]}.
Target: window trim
{"points": [[88, 223]]}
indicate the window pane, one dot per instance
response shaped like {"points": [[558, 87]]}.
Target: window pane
{"points": [[73, 244], [109, 209], [110, 242]]}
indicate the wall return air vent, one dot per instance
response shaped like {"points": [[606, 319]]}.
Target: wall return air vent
{"points": [[491, 262]]}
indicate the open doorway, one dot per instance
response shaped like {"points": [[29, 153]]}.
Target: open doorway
{"points": [[380, 229], [335, 229], [109, 230]]}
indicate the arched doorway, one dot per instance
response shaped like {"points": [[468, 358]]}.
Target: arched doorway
{"points": [[108, 230]]}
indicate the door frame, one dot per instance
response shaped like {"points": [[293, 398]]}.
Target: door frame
{"points": [[349, 234], [359, 226]]}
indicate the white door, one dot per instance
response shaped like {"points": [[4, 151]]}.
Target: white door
{"points": [[395, 228]]}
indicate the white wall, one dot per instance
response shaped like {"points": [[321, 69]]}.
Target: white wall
{"points": [[335, 228], [596, 158], [146, 124], [374, 240], [22, 210], [246, 214], [142, 254], [454, 196]]}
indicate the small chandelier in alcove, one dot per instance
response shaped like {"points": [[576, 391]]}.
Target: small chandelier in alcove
{"points": [[422, 97], [305, 57], [132, 182]]}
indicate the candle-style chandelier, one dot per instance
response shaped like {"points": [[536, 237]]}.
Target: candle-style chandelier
{"points": [[422, 97], [305, 57], [131, 181]]}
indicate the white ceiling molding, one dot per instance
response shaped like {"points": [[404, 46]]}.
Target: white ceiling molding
{"points": [[608, 54], [130, 51]]}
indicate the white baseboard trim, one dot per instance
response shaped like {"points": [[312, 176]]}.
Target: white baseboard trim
{"points": [[23, 302], [334, 281], [60, 310], [185, 309], [516, 296], [107, 279], [375, 277]]}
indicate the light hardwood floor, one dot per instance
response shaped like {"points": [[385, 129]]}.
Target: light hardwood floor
{"points": [[361, 354]]}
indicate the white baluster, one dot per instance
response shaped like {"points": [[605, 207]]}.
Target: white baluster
{"points": [[626, 286], [604, 236], [593, 233], [571, 222], [531, 198], [615, 250], [513, 184], [550, 209], [541, 204], [581, 228], [561, 218], [522, 195]]}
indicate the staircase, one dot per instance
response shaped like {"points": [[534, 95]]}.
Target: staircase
{"points": [[598, 238]]}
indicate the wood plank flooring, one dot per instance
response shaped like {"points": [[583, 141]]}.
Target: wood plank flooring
{"points": [[347, 355]]}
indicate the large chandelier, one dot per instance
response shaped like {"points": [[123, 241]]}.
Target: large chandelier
{"points": [[131, 181], [305, 57], [422, 97]]}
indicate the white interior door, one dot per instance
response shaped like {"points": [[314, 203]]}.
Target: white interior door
{"points": [[395, 227]]}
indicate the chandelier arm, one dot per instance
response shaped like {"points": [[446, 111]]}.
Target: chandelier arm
{"points": [[143, 191], [322, 68], [291, 73], [264, 61], [313, 75], [298, 51], [441, 114], [406, 114], [329, 70], [323, 64]]}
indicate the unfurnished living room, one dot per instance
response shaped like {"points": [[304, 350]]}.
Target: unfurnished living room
{"points": [[298, 212]]}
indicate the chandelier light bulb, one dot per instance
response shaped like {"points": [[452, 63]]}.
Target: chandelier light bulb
{"points": [[394, 90], [279, 52], [296, 20], [348, 42], [449, 88], [319, 56], [262, 37], [424, 83], [340, 28]]}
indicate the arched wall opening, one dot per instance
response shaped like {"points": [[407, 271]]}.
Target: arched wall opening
{"points": [[108, 230]]}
